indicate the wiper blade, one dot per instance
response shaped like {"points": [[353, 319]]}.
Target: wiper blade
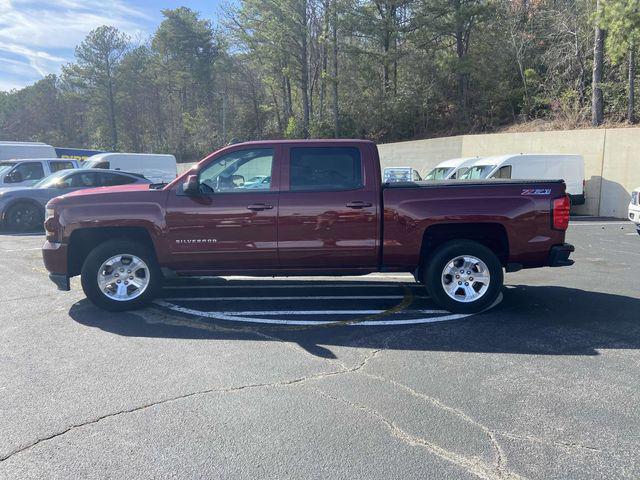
{"points": [[157, 186]]}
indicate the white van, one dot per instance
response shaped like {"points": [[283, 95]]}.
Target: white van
{"points": [[534, 166], [27, 171], [11, 150], [451, 168], [634, 208], [155, 167]]}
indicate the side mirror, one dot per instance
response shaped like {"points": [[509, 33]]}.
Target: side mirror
{"points": [[191, 186], [13, 177]]}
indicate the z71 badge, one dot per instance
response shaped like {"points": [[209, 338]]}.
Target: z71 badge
{"points": [[536, 191]]}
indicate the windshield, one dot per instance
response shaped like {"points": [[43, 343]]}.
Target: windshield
{"points": [[438, 173], [96, 164], [460, 172], [51, 180], [5, 167], [479, 171]]}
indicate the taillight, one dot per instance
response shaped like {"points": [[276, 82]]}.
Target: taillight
{"points": [[560, 213]]}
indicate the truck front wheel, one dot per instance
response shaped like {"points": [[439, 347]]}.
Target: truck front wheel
{"points": [[463, 276], [120, 275]]}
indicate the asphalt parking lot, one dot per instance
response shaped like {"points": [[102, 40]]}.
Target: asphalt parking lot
{"points": [[326, 378]]}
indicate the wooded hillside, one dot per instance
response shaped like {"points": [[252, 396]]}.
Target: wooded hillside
{"points": [[384, 70]]}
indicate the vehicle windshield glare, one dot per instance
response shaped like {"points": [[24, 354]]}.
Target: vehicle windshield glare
{"points": [[50, 181], [438, 173], [477, 172], [5, 167]]}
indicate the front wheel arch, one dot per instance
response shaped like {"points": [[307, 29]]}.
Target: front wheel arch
{"points": [[83, 240]]}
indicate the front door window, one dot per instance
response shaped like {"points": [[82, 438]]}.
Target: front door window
{"points": [[238, 172]]}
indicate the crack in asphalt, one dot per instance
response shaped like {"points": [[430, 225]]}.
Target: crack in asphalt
{"points": [[559, 443], [295, 381], [474, 466], [499, 453]]}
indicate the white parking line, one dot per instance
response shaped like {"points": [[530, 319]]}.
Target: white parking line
{"points": [[228, 316], [313, 297], [21, 250], [325, 312], [341, 285], [385, 276], [597, 224]]}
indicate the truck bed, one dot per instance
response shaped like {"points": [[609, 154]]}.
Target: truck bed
{"points": [[516, 210]]}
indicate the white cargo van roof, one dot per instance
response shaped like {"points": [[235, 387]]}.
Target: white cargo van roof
{"points": [[456, 162], [109, 155], [498, 159], [17, 150]]}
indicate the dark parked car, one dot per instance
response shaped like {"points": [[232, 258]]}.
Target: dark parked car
{"points": [[22, 209]]}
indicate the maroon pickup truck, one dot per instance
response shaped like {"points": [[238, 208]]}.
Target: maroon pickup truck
{"points": [[312, 207]]}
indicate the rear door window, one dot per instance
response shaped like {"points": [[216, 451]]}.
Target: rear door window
{"points": [[325, 168], [56, 166], [110, 179], [82, 180]]}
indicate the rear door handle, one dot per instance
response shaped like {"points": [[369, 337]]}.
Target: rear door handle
{"points": [[256, 207], [358, 204]]}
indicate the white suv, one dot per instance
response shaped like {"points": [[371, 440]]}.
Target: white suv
{"points": [[634, 208], [26, 172]]}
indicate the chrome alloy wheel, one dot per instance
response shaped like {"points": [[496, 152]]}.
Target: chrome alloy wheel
{"points": [[465, 278], [123, 277]]}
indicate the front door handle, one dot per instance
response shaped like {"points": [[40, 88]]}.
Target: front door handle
{"points": [[256, 207], [358, 204]]}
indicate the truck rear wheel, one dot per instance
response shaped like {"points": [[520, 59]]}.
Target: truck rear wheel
{"points": [[120, 275], [464, 276]]}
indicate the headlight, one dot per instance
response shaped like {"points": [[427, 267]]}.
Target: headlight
{"points": [[49, 213]]}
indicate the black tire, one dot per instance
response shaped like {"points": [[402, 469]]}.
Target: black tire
{"points": [[24, 217], [103, 252], [433, 276]]}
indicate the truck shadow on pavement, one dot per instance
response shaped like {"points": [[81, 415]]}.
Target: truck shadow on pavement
{"points": [[536, 320]]}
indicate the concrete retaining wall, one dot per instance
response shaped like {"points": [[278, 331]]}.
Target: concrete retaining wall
{"points": [[612, 158]]}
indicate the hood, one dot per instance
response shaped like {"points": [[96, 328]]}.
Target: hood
{"points": [[135, 187], [8, 190], [116, 194]]}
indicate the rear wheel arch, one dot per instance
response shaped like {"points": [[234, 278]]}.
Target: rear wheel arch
{"points": [[492, 235], [83, 240]]}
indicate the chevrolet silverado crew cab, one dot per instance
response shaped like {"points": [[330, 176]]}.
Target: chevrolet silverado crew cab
{"points": [[320, 209]]}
